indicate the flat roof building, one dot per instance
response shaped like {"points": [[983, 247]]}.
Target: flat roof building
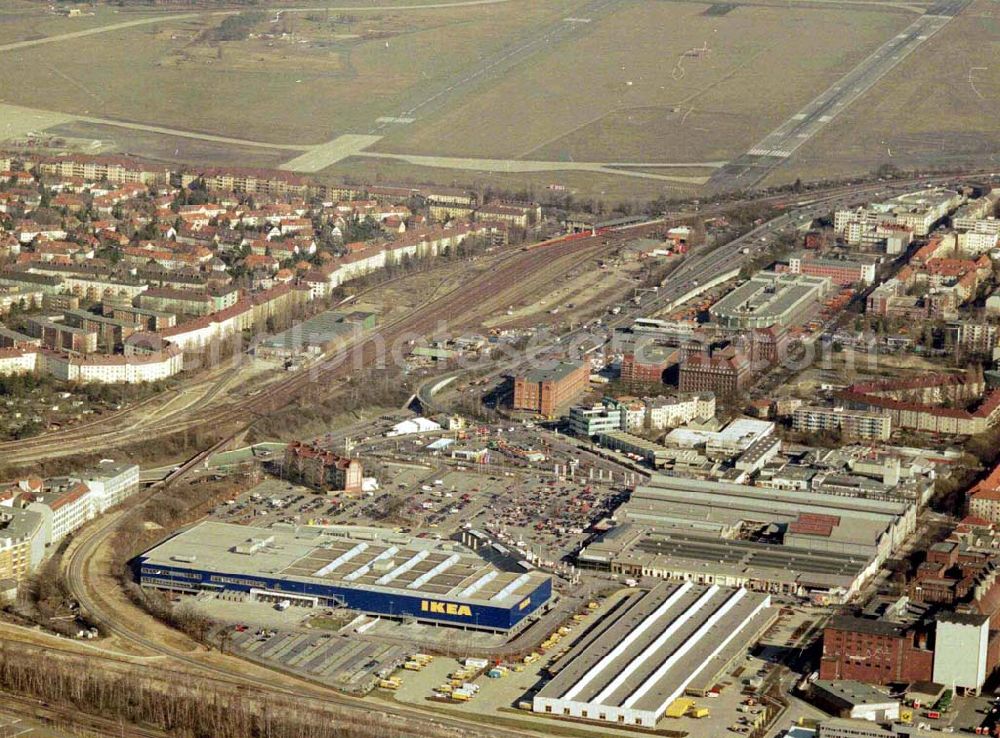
{"points": [[736, 437], [851, 699], [864, 424], [841, 271], [377, 572], [660, 644], [547, 389], [807, 543], [768, 299]]}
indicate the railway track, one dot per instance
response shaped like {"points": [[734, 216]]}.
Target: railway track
{"points": [[462, 305], [516, 269], [512, 275], [69, 717], [306, 692], [523, 268]]}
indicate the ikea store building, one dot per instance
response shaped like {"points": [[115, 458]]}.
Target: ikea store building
{"points": [[373, 571]]}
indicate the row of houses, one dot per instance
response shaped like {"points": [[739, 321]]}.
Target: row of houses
{"points": [[98, 368]]}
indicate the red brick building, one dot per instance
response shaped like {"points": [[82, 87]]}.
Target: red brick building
{"points": [[840, 271], [321, 469], [768, 346], [727, 373], [647, 364], [545, 391], [875, 652]]}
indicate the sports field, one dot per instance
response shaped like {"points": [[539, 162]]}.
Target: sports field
{"points": [[602, 96]]}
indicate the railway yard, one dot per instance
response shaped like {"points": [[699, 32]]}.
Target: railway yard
{"points": [[458, 643]]}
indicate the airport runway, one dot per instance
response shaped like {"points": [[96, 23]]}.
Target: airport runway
{"points": [[782, 142], [438, 93]]}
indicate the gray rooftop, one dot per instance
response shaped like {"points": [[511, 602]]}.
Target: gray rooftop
{"points": [[770, 296], [852, 693], [656, 643], [363, 557], [553, 373]]}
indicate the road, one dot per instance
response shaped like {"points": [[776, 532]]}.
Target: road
{"points": [[536, 165], [777, 146], [511, 273], [81, 564]]}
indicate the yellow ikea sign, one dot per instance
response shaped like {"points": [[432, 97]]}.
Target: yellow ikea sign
{"points": [[445, 608]]}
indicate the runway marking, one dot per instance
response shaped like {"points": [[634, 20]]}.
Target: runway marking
{"points": [[789, 136]]}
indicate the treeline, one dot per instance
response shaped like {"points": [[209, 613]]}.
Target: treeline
{"points": [[144, 526], [237, 27], [185, 707], [45, 600], [150, 452], [311, 414]]}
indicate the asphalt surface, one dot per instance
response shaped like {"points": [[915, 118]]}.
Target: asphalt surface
{"points": [[777, 146]]}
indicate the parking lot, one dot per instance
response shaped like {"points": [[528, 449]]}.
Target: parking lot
{"points": [[520, 503], [346, 663], [277, 501]]}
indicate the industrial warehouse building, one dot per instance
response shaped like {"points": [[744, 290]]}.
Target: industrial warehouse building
{"points": [[655, 647], [805, 543], [547, 389], [366, 569]]}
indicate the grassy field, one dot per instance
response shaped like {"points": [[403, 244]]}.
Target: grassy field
{"points": [[644, 81], [939, 107], [634, 88], [346, 76], [29, 21], [610, 188], [173, 149]]}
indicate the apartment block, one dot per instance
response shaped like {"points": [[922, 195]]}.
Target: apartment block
{"points": [[850, 423]]}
